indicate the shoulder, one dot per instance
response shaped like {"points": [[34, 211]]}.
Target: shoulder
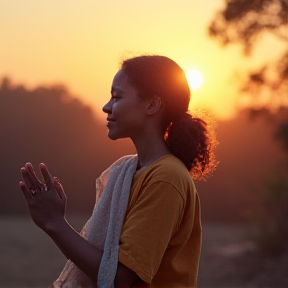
{"points": [[124, 159], [170, 170], [127, 159], [170, 164], [127, 162]]}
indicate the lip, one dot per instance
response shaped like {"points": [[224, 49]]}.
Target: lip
{"points": [[110, 121]]}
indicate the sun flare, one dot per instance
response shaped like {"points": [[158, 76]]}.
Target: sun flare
{"points": [[194, 78]]}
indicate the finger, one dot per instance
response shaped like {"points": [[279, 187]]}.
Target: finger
{"points": [[36, 182], [27, 179], [59, 189], [25, 190], [46, 176]]}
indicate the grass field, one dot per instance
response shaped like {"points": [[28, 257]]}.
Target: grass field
{"points": [[29, 259]]}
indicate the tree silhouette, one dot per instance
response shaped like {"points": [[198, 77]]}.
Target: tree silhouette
{"points": [[49, 125], [243, 22]]}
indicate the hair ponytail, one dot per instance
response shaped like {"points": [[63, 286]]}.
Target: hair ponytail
{"points": [[193, 141]]}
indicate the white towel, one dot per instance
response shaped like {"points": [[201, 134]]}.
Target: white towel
{"points": [[104, 227]]}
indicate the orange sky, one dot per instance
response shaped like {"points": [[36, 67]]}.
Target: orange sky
{"points": [[80, 43]]}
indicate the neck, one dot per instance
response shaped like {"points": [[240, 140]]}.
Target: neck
{"points": [[149, 149]]}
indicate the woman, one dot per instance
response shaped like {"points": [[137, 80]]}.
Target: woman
{"points": [[145, 229]]}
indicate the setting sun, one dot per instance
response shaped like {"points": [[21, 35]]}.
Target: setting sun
{"points": [[195, 79]]}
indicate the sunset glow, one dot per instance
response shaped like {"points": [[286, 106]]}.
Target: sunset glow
{"points": [[195, 79], [80, 46]]}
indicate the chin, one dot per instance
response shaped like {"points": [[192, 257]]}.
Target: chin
{"points": [[114, 137]]}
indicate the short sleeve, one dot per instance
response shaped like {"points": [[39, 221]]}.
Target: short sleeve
{"points": [[148, 228]]}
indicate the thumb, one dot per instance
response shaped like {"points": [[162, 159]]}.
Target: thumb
{"points": [[59, 189]]}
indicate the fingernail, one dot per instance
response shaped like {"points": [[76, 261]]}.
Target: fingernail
{"points": [[42, 166], [56, 181]]}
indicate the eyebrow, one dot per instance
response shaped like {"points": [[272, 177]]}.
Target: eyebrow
{"points": [[115, 89]]}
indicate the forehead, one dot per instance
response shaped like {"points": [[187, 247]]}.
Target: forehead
{"points": [[121, 81], [121, 84]]}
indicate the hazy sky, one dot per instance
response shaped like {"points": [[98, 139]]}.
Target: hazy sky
{"points": [[80, 43]]}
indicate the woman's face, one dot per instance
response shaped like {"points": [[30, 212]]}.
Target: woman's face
{"points": [[126, 110]]}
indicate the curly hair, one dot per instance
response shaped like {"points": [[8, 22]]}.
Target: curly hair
{"points": [[191, 139]]}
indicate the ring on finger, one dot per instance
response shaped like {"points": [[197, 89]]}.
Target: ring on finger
{"points": [[44, 188], [32, 191]]}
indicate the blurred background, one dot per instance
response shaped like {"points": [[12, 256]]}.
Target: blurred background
{"points": [[57, 61]]}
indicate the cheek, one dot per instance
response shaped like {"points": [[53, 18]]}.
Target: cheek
{"points": [[124, 109]]}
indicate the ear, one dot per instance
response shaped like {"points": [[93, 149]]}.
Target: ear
{"points": [[154, 105]]}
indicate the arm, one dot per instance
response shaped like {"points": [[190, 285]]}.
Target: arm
{"points": [[86, 256], [47, 204]]}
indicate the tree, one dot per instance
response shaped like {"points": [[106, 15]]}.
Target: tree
{"points": [[244, 22]]}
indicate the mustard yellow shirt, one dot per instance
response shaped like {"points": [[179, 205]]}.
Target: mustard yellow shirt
{"points": [[161, 235]]}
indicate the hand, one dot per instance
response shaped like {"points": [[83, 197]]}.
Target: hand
{"points": [[46, 200]]}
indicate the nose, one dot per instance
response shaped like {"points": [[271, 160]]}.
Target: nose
{"points": [[107, 108]]}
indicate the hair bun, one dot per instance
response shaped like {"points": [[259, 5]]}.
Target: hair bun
{"points": [[193, 142]]}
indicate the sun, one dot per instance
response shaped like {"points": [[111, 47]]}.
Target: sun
{"points": [[194, 78]]}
